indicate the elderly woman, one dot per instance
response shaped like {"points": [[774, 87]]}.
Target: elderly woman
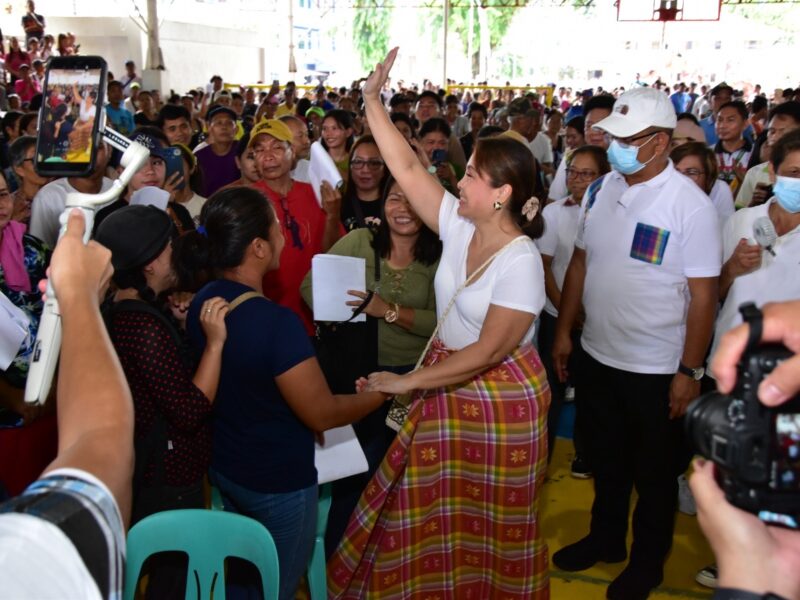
{"points": [[404, 307], [23, 260]]}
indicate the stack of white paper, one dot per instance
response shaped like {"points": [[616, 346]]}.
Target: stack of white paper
{"points": [[331, 277], [341, 456], [14, 325], [322, 168]]}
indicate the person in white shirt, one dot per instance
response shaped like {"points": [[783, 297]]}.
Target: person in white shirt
{"points": [[754, 190], [480, 375], [594, 110], [646, 264], [561, 217], [752, 273], [49, 202]]}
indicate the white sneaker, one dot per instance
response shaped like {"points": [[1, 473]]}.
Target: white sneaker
{"points": [[686, 502], [707, 576]]}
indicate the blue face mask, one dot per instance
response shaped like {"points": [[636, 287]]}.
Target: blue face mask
{"points": [[625, 158], [787, 191]]}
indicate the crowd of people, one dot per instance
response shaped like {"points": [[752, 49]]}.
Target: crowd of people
{"points": [[522, 249]]}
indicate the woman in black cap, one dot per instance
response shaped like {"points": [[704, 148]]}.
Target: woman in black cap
{"points": [[172, 406]]}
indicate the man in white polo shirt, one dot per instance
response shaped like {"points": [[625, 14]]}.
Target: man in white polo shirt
{"points": [[646, 265]]}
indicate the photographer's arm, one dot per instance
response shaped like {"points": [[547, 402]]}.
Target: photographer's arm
{"points": [[95, 409]]}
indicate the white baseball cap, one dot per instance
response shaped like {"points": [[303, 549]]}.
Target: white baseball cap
{"points": [[638, 109]]}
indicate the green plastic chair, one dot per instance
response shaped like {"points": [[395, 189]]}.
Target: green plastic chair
{"points": [[208, 537], [316, 574]]}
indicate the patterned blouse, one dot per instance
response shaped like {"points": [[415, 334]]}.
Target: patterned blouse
{"points": [[161, 384], [37, 258]]}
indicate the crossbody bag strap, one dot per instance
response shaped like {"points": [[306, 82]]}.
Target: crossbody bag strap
{"points": [[467, 281], [242, 298]]}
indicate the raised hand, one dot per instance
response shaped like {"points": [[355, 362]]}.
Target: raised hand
{"points": [[376, 80]]}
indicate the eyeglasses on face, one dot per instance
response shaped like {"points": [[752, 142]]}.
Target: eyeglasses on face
{"points": [[582, 175], [373, 163], [693, 173]]}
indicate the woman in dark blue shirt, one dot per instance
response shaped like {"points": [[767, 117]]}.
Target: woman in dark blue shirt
{"points": [[272, 395]]}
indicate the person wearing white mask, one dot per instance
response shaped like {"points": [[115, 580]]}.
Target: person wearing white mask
{"points": [[763, 267], [646, 265]]}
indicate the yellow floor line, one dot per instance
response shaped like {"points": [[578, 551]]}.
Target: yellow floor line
{"points": [[565, 506]]}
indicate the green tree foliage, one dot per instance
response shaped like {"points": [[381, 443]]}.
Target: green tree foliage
{"points": [[499, 20], [371, 32]]}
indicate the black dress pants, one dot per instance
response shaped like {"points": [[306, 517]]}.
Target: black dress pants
{"points": [[632, 442]]}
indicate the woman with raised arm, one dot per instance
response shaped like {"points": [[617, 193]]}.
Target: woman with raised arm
{"points": [[452, 510]]}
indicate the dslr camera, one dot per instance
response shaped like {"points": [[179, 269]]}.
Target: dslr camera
{"points": [[755, 448]]}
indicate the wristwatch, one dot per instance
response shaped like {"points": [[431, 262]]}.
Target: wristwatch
{"points": [[390, 316], [696, 374]]}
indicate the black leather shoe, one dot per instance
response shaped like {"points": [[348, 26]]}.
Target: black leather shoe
{"points": [[586, 553], [635, 583]]}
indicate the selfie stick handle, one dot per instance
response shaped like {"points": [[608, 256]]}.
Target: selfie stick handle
{"points": [[48, 339]]}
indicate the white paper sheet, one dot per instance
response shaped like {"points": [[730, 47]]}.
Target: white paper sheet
{"points": [[340, 457], [322, 168], [331, 277], [13, 330]]}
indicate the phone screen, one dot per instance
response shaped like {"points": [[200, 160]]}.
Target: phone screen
{"points": [[439, 157], [70, 117]]}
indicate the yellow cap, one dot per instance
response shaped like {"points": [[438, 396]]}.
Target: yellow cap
{"points": [[277, 129]]}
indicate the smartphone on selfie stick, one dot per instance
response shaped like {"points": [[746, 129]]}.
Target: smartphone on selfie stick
{"points": [[71, 127]]}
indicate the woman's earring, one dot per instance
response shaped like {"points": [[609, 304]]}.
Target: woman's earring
{"points": [[497, 205]]}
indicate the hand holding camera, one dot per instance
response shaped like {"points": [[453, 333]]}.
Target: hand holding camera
{"points": [[753, 440]]}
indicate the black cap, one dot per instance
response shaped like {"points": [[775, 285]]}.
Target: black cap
{"points": [[136, 235], [221, 110]]}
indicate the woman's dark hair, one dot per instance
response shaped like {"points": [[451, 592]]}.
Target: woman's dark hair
{"points": [[706, 156], [303, 104], [344, 119], [789, 143], [59, 112], [10, 120], [435, 124], [428, 248], [350, 193], [505, 161], [489, 131], [477, 107], [598, 155], [577, 123], [687, 116], [398, 116], [231, 219], [25, 120]]}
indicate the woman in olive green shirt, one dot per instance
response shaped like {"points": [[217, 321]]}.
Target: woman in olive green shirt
{"points": [[405, 306]]}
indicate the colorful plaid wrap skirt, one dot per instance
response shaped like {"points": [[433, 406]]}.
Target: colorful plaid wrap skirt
{"points": [[452, 512]]}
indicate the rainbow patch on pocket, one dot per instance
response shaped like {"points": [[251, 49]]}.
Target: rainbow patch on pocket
{"points": [[649, 244]]}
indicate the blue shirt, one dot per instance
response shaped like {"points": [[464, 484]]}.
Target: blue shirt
{"points": [[121, 120], [258, 441]]}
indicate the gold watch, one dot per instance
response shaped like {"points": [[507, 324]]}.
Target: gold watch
{"points": [[390, 316]]}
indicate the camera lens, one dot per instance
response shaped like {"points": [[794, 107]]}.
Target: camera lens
{"points": [[707, 426]]}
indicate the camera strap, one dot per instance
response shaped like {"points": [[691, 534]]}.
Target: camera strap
{"points": [[755, 319]]}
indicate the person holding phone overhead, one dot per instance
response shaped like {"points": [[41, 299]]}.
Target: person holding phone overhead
{"points": [[431, 518]]}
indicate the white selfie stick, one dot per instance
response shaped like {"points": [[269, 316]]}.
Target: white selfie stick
{"points": [[48, 339]]}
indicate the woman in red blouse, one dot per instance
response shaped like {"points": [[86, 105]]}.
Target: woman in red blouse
{"points": [[172, 405]]}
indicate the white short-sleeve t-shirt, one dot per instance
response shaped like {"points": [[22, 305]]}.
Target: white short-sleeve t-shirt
{"points": [[514, 279], [776, 280], [558, 240], [642, 243]]}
